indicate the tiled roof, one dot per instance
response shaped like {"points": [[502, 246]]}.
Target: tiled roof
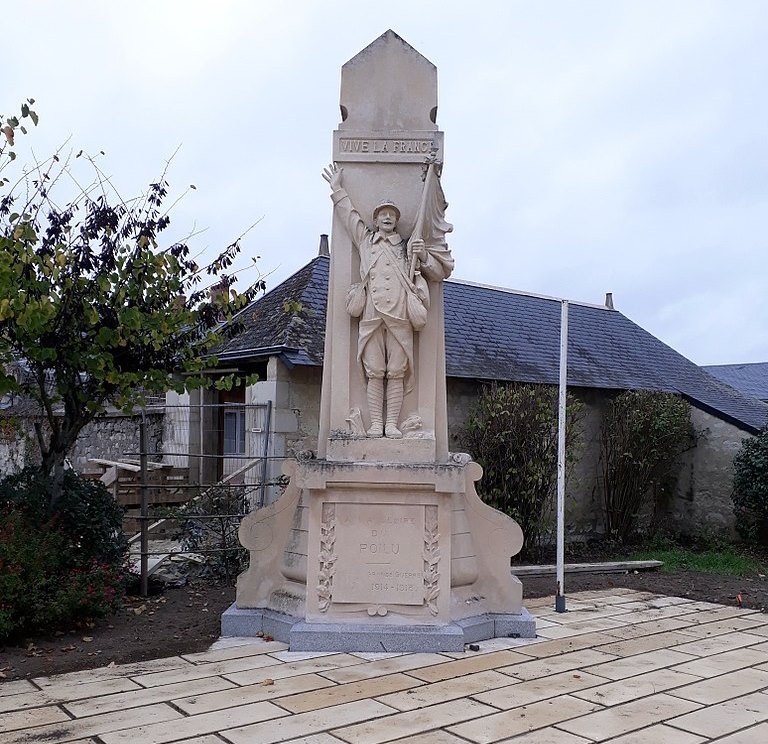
{"points": [[497, 334], [751, 379]]}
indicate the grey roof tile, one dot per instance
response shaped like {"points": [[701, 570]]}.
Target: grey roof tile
{"points": [[751, 379], [497, 334]]}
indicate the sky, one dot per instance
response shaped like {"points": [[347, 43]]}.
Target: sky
{"points": [[590, 147]]}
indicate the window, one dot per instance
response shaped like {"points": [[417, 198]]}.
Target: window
{"points": [[234, 431]]}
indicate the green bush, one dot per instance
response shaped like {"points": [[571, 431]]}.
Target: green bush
{"points": [[55, 570], [642, 436], [512, 432], [750, 488]]}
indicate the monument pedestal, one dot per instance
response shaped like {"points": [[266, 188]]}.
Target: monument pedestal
{"points": [[380, 557]]}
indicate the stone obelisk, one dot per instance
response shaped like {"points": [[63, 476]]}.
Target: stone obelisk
{"points": [[380, 542]]}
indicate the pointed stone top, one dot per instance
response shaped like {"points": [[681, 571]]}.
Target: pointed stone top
{"points": [[389, 86]]}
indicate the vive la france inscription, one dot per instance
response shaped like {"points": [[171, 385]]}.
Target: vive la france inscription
{"points": [[378, 147], [379, 554]]}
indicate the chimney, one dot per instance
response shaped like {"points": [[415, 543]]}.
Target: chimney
{"points": [[609, 300], [219, 292], [323, 250]]}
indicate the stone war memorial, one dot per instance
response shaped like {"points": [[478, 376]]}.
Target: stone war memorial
{"points": [[380, 542]]}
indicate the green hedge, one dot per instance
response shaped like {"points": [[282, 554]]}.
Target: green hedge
{"points": [[60, 568]]}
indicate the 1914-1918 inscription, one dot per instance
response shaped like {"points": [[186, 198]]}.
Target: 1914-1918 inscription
{"points": [[379, 554]]}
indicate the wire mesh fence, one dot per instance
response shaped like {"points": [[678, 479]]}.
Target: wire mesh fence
{"points": [[187, 475]]}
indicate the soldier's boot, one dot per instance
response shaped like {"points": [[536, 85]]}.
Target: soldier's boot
{"points": [[394, 404], [376, 406]]}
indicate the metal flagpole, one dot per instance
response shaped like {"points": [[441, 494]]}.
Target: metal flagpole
{"points": [[560, 596]]}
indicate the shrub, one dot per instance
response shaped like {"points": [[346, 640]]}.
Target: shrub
{"points": [[59, 569], [750, 488], [512, 432], [209, 524], [642, 436]]}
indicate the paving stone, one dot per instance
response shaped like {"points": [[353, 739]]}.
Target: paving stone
{"points": [[112, 672], [367, 688], [67, 731], [16, 687], [720, 643], [659, 613], [450, 689], [26, 719], [534, 690], [752, 735], [468, 664], [433, 737], [646, 643], [413, 722], [749, 624], [621, 719], [632, 688], [205, 723], [523, 719], [304, 724], [137, 698], [629, 666], [725, 687], [291, 656], [554, 664], [497, 644], [198, 671], [584, 626], [660, 734], [236, 652], [651, 627], [549, 735], [64, 693], [591, 612], [251, 693], [721, 613], [313, 739], [292, 669], [761, 630], [566, 645], [385, 666], [377, 655], [725, 718], [729, 661]]}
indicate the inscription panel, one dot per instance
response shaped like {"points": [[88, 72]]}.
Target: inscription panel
{"points": [[386, 147], [379, 549]]}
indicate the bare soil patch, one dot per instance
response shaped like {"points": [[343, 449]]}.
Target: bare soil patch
{"points": [[187, 619]]}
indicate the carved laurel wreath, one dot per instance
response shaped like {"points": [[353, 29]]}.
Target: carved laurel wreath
{"points": [[327, 557], [431, 557]]}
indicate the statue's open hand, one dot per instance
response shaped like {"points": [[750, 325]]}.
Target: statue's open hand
{"points": [[332, 174]]}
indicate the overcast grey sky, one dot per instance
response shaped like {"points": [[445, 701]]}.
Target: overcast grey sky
{"points": [[590, 146]]}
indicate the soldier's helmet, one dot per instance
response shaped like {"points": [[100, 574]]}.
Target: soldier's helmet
{"points": [[381, 206]]}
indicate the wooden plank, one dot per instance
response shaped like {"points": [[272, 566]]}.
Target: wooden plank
{"points": [[608, 567]]}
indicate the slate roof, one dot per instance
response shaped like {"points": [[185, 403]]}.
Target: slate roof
{"points": [[497, 334], [751, 379]]}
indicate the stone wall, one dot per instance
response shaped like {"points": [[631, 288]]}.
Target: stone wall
{"points": [[702, 501], [116, 437], [109, 437]]}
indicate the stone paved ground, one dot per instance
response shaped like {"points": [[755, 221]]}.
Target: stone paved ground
{"points": [[621, 666]]}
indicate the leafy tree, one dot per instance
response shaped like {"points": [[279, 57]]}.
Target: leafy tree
{"points": [[512, 432], [643, 434], [750, 488], [93, 309]]}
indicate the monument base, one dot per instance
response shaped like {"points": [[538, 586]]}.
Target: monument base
{"points": [[356, 637]]}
